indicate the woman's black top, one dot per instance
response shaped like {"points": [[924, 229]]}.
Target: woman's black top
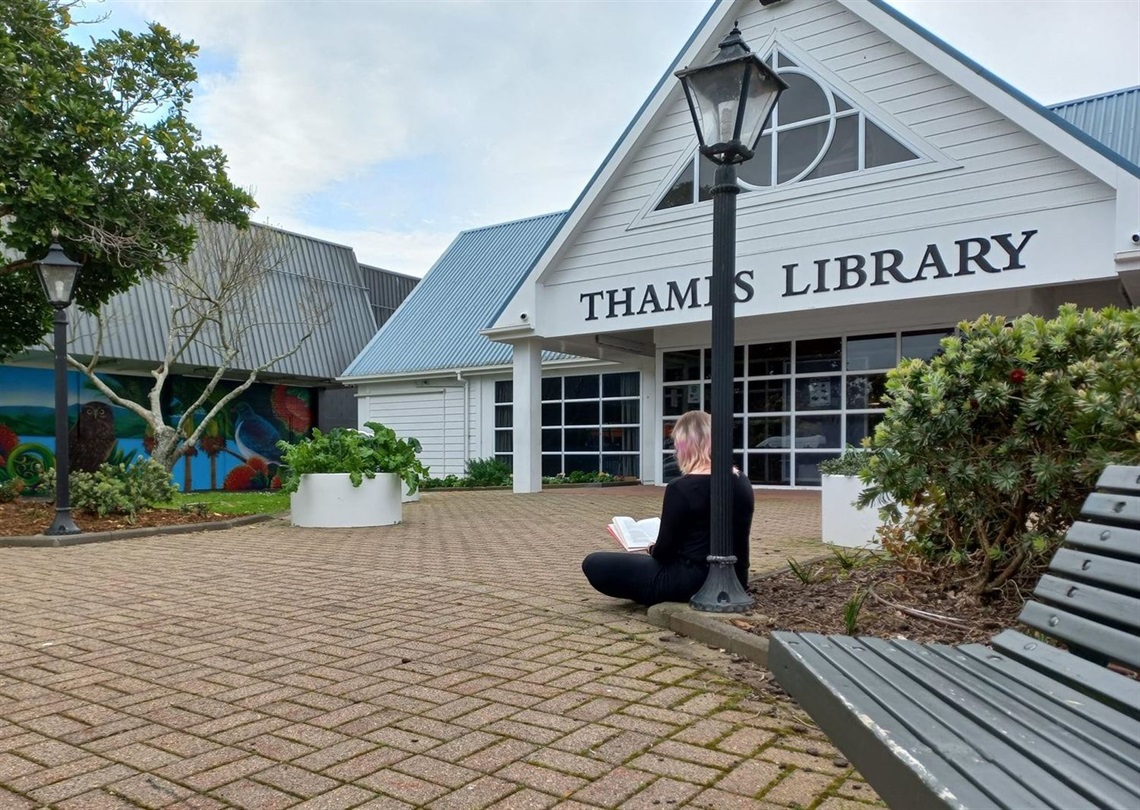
{"points": [[686, 522]]}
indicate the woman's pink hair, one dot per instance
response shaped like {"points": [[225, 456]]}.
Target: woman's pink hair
{"points": [[692, 436]]}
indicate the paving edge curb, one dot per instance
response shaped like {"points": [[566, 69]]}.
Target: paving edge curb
{"points": [[712, 629], [44, 541]]}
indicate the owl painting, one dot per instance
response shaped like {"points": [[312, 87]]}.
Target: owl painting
{"points": [[92, 437]]}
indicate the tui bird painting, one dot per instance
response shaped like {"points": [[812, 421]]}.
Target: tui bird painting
{"points": [[255, 436]]}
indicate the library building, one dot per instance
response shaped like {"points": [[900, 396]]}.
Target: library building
{"points": [[898, 189]]}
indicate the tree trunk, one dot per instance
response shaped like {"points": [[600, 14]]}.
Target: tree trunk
{"points": [[165, 447]]}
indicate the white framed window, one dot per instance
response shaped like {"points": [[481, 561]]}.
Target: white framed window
{"points": [[813, 133], [590, 422]]}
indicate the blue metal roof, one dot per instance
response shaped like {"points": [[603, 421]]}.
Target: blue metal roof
{"points": [[1111, 118], [437, 326]]}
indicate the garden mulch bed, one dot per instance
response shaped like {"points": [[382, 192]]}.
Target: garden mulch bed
{"points": [[25, 518], [894, 598]]}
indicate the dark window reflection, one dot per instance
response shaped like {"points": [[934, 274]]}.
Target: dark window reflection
{"points": [[866, 391], [626, 412], [582, 386], [766, 359], [766, 396], [871, 352], [504, 390], [681, 366], [821, 354], [924, 345], [580, 439], [770, 469], [582, 413], [551, 388], [818, 431]]}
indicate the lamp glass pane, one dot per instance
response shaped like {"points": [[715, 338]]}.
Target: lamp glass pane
{"points": [[763, 90], [58, 281], [716, 96]]}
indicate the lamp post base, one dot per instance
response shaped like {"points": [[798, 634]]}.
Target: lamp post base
{"points": [[63, 524], [722, 592]]}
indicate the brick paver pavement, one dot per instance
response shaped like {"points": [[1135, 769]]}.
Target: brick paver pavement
{"points": [[458, 660]]}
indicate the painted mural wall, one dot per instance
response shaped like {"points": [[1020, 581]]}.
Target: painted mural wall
{"points": [[237, 451]]}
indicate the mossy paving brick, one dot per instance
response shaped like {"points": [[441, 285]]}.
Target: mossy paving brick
{"points": [[365, 764], [544, 779], [750, 777], [436, 771], [341, 798], [802, 788], [569, 763], [249, 795], [480, 793], [662, 793], [525, 799], [403, 787]]}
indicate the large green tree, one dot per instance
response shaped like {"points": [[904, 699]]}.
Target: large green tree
{"points": [[95, 144]]}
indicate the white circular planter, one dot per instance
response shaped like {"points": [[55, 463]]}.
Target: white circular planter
{"points": [[329, 500], [408, 498], [843, 523]]}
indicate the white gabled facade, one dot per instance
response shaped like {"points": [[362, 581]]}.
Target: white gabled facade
{"points": [[994, 207]]}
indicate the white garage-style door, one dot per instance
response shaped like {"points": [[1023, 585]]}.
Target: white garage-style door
{"points": [[434, 416]]}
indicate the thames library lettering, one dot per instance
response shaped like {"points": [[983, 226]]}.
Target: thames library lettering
{"points": [[994, 254]]}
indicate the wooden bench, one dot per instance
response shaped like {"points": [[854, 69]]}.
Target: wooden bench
{"points": [[1020, 725]]}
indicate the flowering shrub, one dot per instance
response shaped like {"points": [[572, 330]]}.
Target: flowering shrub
{"points": [[995, 443]]}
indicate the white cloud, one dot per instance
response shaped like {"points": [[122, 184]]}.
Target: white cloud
{"points": [[409, 121]]}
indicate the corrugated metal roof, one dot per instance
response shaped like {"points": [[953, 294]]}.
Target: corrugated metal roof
{"points": [[438, 325], [1111, 118], [387, 290], [308, 269]]}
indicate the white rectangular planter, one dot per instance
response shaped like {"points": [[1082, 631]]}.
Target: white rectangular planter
{"points": [[844, 524], [330, 500]]}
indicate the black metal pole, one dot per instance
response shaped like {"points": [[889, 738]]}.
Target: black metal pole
{"points": [[722, 591], [63, 524]]}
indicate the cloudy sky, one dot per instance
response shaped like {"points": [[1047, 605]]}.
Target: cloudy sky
{"points": [[391, 125]]}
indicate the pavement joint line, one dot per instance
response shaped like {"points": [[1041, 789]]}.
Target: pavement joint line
{"points": [[83, 538]]}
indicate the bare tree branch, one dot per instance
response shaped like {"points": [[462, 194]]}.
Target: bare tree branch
{"points": [[220, 307]]}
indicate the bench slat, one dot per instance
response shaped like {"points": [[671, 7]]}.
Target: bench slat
{"points": [[1115, 644], [903, 716], [902, 769], [1090, 601], [1117, 574], [1114, 540], [1031, 730], [1112, 509], [1110, 688], [1086, 714], [1115, 476]]}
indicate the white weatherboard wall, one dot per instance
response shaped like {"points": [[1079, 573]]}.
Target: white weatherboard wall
{"points": [[982, 178], [443, 415]]}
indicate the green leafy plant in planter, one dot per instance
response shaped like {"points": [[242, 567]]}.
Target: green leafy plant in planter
{"points": [[351, 452], [852, 462], [995, 443]]}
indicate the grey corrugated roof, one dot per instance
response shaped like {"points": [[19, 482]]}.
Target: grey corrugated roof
{"points": [[1111, 118], [387, 290], [308, 269], [438, 325]]}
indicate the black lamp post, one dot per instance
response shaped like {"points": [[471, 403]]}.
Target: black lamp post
{"points": [[730, 99], [57, 274]]}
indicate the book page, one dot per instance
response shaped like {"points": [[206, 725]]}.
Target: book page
{"points": [[636, 535]]}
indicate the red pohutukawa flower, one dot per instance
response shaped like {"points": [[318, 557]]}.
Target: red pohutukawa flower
{"points": [[1017, 376]]}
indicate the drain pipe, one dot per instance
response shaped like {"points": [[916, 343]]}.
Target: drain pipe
{"points": [[466, 416]]}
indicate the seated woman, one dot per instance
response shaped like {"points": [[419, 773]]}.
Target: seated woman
{"points": [[677, 563]]}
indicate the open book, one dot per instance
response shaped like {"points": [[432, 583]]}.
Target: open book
{"points": [[635, 535]]}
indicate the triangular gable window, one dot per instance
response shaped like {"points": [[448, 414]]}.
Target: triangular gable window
{"points": [[813, 133]]}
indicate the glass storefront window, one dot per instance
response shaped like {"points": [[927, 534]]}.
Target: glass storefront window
{"points": [[552, 414], [818, 431], [818, 394], [681, 366], [621, 385], [551, 440], [822, 354], [504, 390], [551, 389], [767, 359], [582, 386], [622, 412], [582, 413], [871, 352], [768, 432], [770, 469], [504, 416], [866, 391], [619, 439], [768, 396], [737, 396], [861, 425], [676, 399], [923, 345], [579, 440]]}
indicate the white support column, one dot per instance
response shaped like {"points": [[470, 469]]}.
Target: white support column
{"points": [[527, 374]]}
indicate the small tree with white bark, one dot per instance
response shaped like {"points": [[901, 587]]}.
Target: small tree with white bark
{"points": [[219, 306]]}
